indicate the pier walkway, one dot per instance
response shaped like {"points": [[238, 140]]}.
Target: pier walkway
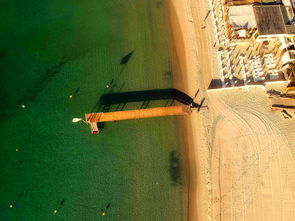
{"points": [[95, 118], [138, 114]]}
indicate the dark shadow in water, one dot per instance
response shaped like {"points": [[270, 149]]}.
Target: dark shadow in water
{"points": [[147, 95], [112, 86], [127, 57], [62, 202], [168, 73], [174, 168], [116, 86], [115, 83], [77, 90], [144, 104], [51, 73], [121, 99], [159, 3], [4, 210]]}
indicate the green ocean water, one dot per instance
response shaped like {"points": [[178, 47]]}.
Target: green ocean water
{"points": [[52, 49]]}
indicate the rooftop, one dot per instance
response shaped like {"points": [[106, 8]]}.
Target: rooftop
{"points": [[272, 19], [242, 16]]}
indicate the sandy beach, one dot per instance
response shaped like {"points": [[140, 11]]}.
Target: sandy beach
{"points": [[239, 155], [192, 63]]}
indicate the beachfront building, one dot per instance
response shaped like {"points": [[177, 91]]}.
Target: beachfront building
{"points": [[273, 21], [241, 24], [258, 22], [288, 56], [255, 42]]}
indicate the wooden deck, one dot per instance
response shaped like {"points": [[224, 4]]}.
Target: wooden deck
{"points": [[137, 114]]}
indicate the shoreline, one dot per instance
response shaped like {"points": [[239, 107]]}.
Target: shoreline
{"points": [[186, 41], [183, 123]]}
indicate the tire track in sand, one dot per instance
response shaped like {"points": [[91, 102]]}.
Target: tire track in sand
{"points": [[243, 150]]}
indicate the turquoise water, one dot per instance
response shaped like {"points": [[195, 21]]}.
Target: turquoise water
{"points": [[50, 50]]}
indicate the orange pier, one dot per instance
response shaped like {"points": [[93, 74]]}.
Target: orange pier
{"points": [[93, 118]]}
